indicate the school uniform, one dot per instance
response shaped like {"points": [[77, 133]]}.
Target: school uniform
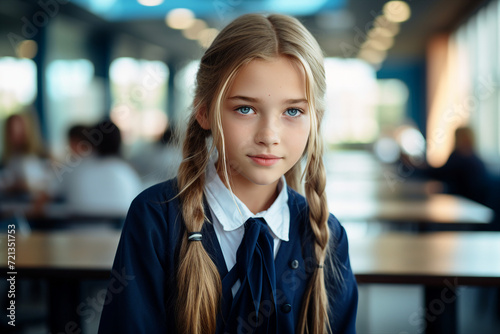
{"points": [[141, 295]]}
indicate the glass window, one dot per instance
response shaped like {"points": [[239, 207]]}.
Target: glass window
{"points": [[185, 83], [17, 84], [139, 98], [474, 89], [75, 95], [351, 102], [359, 106]]}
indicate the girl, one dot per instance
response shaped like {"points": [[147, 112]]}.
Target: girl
{"points": [[24, 160], [229, 246]]}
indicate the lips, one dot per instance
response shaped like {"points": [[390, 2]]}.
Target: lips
{"points": [[265, 159]]}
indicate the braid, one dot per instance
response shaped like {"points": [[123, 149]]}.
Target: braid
{"points": [[315, 303], [198, 280]]}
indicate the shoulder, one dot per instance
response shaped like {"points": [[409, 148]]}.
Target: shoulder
{"points": [[160, 192], [156, 207]]}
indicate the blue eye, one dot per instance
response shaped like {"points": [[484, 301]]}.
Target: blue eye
{"points": [[244, 110], [293, 112]]}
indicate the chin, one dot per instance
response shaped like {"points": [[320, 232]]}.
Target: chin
{"points": [[263, 181]]}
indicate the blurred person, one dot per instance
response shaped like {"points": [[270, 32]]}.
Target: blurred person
{"points": [[78, 143], [24, 162], [464, 172], [102, 182], [158, 161]]}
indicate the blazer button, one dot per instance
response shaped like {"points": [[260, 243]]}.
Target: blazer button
{"points": [[286, 308], [294, 264]]}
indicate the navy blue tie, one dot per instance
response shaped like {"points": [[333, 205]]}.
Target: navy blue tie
{"points": [[253, 309]]}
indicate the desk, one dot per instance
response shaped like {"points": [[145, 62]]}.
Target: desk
{"points": [[64, 259], [71, 254], [361, 189], [434, 260], [431, 209], [440, 261], [56, 211]]}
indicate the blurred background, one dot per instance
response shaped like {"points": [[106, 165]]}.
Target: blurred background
{"points": [[94, 95]]}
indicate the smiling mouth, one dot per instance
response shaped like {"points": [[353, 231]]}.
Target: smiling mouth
{"points": [[265, 159]]}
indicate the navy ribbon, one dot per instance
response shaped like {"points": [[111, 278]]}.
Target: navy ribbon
{"points": [[253, 309]]}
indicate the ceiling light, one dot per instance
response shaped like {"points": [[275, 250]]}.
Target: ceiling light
{"points": [[381, 31], [372, 56], [194, 30], [27, 49], [385, 41], [180, 18], [207, 36], [150, 3], [397, 11], [376, 45], [382, 22]]}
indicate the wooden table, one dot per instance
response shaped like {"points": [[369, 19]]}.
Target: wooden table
{"points": [[71, 254], [64, 259], [431, 209], [439, 261], [55, 211], [361, 189]]}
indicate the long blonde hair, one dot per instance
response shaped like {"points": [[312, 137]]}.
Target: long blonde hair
{"points": [[249, 37]]}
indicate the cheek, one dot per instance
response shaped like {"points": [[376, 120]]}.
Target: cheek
{"points": [[299, 137], [236, 136]]}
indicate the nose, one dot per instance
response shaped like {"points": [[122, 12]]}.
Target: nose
{"points": [[268, 132]]}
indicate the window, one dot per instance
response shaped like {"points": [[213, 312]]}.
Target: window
{"points": [[74, 96], [139, 97], [17, 84], [360, 106]]}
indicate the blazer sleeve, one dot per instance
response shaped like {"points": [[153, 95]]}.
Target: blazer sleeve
{"points": [[136, 294], [341, 284]]}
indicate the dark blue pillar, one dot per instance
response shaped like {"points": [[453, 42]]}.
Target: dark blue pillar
{"points": [[41, 85], [413, 74], [172, 113], [100, 46]]}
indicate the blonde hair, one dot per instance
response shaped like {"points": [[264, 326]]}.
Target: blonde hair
{"points": [[249, 37]]}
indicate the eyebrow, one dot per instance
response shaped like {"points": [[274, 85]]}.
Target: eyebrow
{"points": [[253, 99]]}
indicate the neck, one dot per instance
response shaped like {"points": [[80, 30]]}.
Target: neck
{"points": [[256, 197]]}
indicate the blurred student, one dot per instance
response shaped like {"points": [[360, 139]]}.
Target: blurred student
{"points": [[159, 161], [464, 172], [25, 168], [102, 183], [79, 144]]}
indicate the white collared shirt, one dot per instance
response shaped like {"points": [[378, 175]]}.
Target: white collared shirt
{"points": [[229, 222]]}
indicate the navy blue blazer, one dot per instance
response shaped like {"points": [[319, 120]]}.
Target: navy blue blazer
{"points": [[142, 290]]}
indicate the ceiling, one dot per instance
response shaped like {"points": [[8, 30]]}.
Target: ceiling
{"points": [[333, 22], [122, 10]]}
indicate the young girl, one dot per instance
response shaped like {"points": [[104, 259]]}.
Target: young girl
{"points": [[229, 246]]}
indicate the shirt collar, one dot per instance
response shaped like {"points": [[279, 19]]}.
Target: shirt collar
{"points": [[225, 205]]}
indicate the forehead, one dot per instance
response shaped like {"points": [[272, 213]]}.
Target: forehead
{"points": [[279, 76]]}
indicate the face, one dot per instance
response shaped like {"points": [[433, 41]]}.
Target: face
{"points": [[266, 122], [16, 132]]}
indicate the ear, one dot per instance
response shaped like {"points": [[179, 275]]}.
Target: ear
{"points": [[202, 118]]}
